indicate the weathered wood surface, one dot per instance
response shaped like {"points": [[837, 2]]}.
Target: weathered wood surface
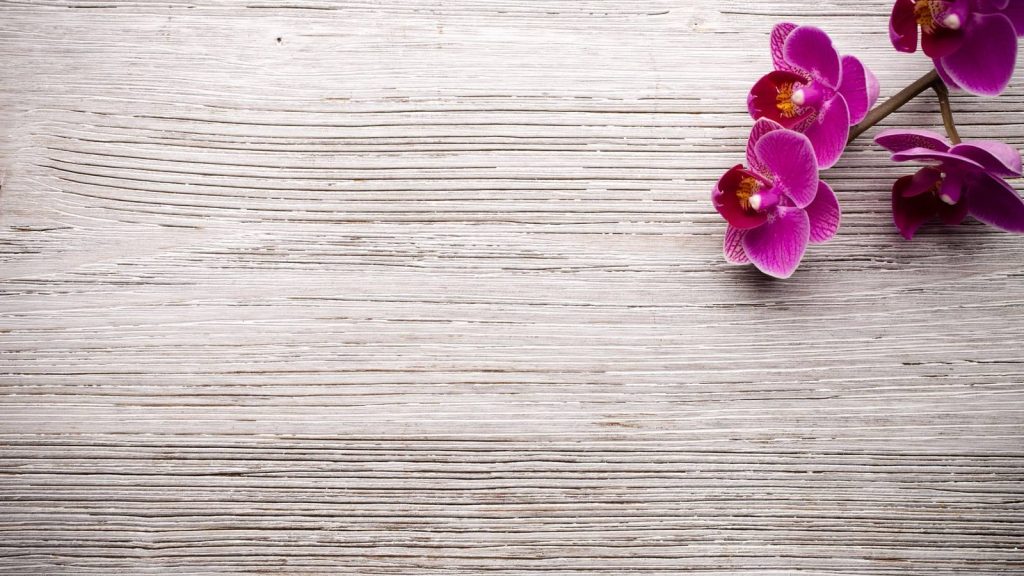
{"points": [[434, 287]]}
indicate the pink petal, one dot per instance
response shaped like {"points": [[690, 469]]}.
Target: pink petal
{"points": [[943, 158], [733, 246], [1015, 12], [942, 42], [953, 215], [859, 88], [780, 32], [874, 88], [952, 187], [950, 83], [790, 159], [811, 50], [910, 212], [985, 62], [903, 26], [829, 132], [961, 7], [923, 181], [997, 158], [761, 127], [991, 5], [903, 140], [996, 203], [777, 247], [824, 214]]}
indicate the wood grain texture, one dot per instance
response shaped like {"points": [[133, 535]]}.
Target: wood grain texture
{"points": [[434, 287]]}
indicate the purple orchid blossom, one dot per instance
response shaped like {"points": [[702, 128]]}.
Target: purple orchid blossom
{"points": [[776, 206], [813, 90], [972, 42], [961, 179]]}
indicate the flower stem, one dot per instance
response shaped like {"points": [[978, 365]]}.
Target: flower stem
{"points": [[880, 112], [947, 112]]}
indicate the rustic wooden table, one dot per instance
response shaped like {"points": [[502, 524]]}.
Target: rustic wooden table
{"points": [[435, 287]]}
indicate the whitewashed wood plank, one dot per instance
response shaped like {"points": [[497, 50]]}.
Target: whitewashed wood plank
{"points": [[435, 287]]}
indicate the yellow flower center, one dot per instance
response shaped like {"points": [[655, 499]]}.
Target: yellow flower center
{"points": [[748, 187], [924, 10], [784, 100]]}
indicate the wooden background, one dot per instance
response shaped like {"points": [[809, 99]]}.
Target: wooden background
{"points": [[435, 287]]}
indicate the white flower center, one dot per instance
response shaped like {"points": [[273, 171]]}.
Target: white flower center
{"points": [[952, 22], [755, 201], [945, 198], [799, 98]]}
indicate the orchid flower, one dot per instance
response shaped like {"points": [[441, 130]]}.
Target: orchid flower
{"points": [[776, 205], [972, 42], [961, 179], [813, 90]]}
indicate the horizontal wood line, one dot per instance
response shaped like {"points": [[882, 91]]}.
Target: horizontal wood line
{"points": [[416, 177], [777, 555], [329, 549], [485, 446]]}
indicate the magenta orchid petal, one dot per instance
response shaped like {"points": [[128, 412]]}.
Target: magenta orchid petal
{"points": [[761, 127], [1015, 12], [874, 87], [997, 204], [780, 33], [959, 8], [991, 5], [952, 187], [810, 50], [942, 42], [859, 88], [925, 180], [931, 156], [733, 246], [790, 158], [945, 76], [909, 213], [997, 158], [903, 26], [777, 247], [903, 140], [952, 214], [829, 132], [824, 214], [985, 61]]}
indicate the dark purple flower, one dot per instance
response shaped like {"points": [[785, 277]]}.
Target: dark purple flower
{"points": [[813, 90], [778, 204], [973, 42], [967, 178]]}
